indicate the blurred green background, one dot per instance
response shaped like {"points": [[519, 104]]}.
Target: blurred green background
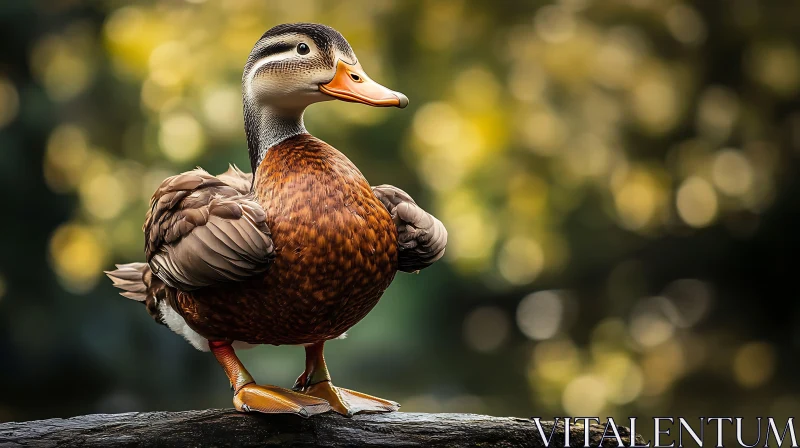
{"points": [[619, 181]]}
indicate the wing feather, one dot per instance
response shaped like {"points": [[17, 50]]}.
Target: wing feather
{"points": [[203, 230], [422, 238]]}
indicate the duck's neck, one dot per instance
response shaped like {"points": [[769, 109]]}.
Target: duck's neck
{"points": [[266, 126]]}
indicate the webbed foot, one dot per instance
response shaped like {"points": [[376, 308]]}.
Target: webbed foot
{"points": [[277, 400], [316, 382], [349, 402]]}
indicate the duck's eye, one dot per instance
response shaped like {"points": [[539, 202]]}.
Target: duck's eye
{"points": [[303, 49]]}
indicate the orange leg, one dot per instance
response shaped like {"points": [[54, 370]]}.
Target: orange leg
{"points": [[316, 381], [250, 397]]}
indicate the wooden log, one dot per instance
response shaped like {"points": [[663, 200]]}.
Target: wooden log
{"points": [[223, 428]]}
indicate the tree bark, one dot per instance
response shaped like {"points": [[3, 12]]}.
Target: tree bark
{"points": [[229, 428]]}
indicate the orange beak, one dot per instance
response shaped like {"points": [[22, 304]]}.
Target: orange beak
{"points": [[350, 83]]}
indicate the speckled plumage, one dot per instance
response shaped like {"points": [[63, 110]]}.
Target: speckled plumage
{"points": [[336, 252]]}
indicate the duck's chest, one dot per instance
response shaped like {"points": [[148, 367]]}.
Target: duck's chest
{"points": [[335, 242], [336, 253]]}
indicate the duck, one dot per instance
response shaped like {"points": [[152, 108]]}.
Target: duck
{"points": [[295, 252]]}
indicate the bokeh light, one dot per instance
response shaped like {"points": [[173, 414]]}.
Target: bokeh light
{"points": [[732, 173], [754, 364], [521, 260], [696, 202], [650, 325], [78, 256], [585, 395], [181, 137], [486, 329], [555, 361], [9, 102], [540, 315]]}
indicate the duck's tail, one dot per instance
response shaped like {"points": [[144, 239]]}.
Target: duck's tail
{"points": [[132, 279], [138, 283]]}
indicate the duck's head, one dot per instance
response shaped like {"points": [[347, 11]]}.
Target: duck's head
{"points": [[295, 65]]}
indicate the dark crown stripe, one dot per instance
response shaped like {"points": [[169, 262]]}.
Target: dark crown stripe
{"points": [[275, 48]]}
